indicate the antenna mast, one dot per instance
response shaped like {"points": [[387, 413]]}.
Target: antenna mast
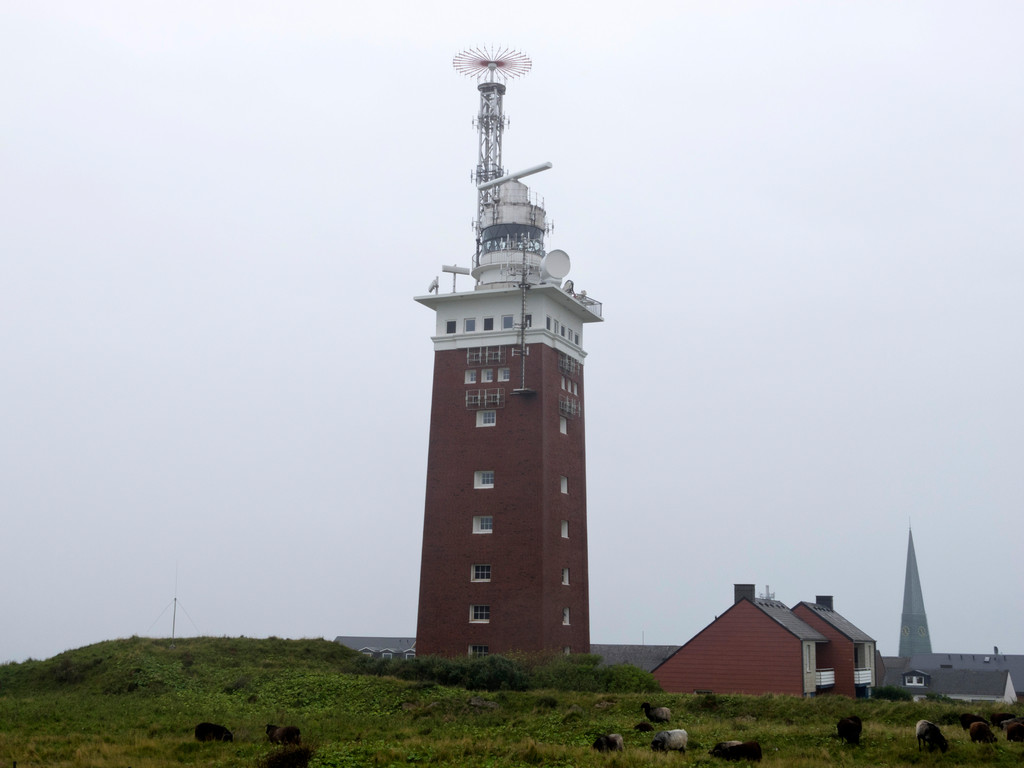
{"points": [[489, 66]]}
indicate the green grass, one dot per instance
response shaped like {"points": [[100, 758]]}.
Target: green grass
{"points": [[136, 702]]}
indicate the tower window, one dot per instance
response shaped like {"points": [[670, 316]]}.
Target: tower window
{"points": [[449, 327], [488, 323], [547, 321], [565, 616], [565, 529], [507, 323], [563, 482], [481, 573], [529, 320], [504, 374], [563, 425], [470, 324], [482, 614], [565, 575], [471, 376], [486, 418], [478, 650], [483, 524], [487, 375], [483, 478]]}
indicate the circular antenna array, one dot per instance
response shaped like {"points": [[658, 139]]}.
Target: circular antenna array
{"points": [[494, 63]]}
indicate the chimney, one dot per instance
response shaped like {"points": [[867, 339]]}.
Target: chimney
{"points": [[825, 601], [741, 591]]}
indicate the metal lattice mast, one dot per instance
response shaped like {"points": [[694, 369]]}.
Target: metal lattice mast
{"points": [[497, 66]]}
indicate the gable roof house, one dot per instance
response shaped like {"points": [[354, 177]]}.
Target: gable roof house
{"points": [[380, 647], [760, 646], [965, 676]]}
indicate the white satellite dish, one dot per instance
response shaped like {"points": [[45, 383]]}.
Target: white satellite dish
{"points": [[554, 265]]}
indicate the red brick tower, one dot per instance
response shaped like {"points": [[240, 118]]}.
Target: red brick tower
{"points": [[504, 565]]}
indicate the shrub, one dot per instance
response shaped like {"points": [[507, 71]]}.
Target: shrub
{"points": [[891, 693]]}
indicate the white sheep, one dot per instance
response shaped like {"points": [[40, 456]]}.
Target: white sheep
{"points": [[666, 740]]}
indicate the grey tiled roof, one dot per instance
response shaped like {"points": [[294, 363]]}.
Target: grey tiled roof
{"points": [[378, 644], [840, 623], [781, 613], [933, 663], [645, 657]]}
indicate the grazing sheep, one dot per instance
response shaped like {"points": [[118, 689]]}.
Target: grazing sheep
{"points": [[998, 717], [643, 727], [668, 740], [212, 732], [609, 742], [737, 750], [1007, 723], [929, 734], [967, 718], [287, 734], [849, 729], [980, 732], [1015, 732], [656, 714]]}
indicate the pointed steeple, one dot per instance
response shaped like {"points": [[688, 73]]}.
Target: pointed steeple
{"points": [[914, 636]]}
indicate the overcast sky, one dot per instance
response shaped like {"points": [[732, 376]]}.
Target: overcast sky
{"points": [[804, 220]]}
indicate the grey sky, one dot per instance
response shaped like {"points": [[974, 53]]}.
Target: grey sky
{"points": [[804, 221]]}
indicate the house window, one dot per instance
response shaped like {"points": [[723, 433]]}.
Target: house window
{"points": [[565, 575], [480, 614], [471, 376], [486, 418], [504, 374], [564, 484], [483, 524], [565, 529], [488, 323], [916, 680], [507, 323], [410, 655], [565, 616], [481, 573], [483, 478], [563, 425], [470, 324], [449, 327], [386, 655], [478, 650], [487, 375], [567, 650]]}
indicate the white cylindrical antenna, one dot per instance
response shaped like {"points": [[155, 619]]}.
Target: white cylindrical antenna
{"points": [[513, 176]]}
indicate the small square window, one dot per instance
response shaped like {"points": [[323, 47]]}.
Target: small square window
{"points": [[565, 576], [565, 616], [482, 614], [504, 374], [488, 323], [507, 323], [470, 324], [563, 484], [487, 375], [486, 418], [410, 655], [471, 376], [483, 478], [483, 524], [565, 529], [563, 425], [481, 573], [478, 650], [449, 327]]}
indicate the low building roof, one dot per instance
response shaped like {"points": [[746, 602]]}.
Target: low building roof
{"points": [[645, 657], [378, 644]]}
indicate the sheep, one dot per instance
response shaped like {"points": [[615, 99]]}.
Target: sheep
{"points": [[980, 732], [849, 729], [1007, 723], [1015, 732], [287, 734], [643, 726], [998, 717], [656, 714], [929, 734], [668, 740], [967, 718], [737, 750], [212, 732], [610, 742]]}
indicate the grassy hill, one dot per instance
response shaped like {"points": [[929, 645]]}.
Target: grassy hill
{"points": [[136, 702]]}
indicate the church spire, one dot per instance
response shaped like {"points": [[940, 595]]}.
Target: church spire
{"points": [[914, 637]]}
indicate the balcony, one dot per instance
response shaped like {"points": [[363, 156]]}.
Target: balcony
{"points": [[824, 678], [862, 677]]}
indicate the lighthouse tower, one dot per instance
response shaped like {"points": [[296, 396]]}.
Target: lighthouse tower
{"points": [[504, 562]]}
